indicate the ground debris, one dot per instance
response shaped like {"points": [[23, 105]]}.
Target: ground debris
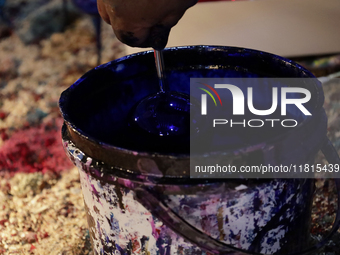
{"points": [[50, 221]]}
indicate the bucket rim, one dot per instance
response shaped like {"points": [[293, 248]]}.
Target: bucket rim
{"points": [[87, 139]]}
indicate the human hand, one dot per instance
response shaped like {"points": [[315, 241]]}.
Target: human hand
{"points": [[143, 23]]}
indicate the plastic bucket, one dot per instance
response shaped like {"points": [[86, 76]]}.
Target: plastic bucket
{"points": [[139, 197]]}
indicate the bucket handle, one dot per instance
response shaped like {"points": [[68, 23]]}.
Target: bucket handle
{"points": [[180, 226]]}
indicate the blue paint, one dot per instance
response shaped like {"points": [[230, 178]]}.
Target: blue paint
{"points": [[163, 114], [101, 103]]}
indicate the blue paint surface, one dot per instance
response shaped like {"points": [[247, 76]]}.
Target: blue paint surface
{"points": [[101, 104]]}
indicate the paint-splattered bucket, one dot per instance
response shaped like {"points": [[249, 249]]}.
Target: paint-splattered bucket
{"points": [[142, 201]]}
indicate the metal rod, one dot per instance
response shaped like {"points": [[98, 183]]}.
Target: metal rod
{"points": [[160, 67]]}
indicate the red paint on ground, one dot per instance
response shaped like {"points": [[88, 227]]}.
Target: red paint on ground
{"points": [[32, 248], [3, 115], [35, 149]]}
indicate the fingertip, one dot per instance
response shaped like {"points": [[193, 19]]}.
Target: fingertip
{"points": [[102, 12], [155, 37], [159, 44], [128, 38], [158, 37]]}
